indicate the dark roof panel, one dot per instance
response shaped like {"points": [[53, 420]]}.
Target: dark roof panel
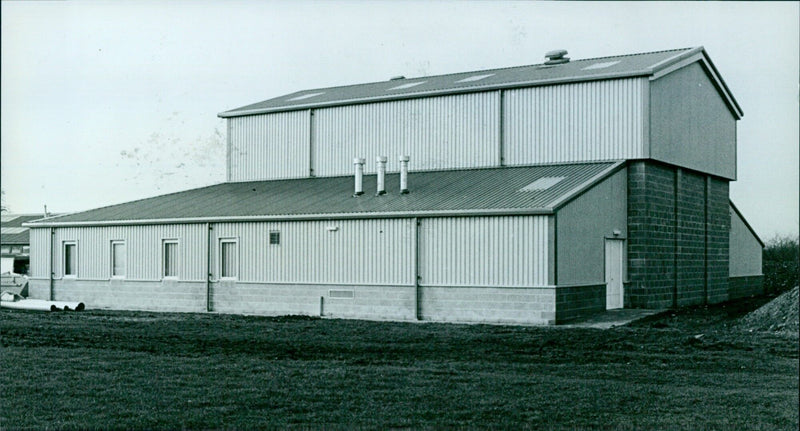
{"points": [[11, 229], [539, 74], [458, 191]]}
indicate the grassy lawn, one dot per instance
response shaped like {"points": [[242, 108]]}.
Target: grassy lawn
{"points": [[104, 369]]}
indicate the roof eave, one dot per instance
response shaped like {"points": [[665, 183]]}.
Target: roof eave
{"points": [[306, 217]]}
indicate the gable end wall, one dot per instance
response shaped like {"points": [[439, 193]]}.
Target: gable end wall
{"points": [[690, 124]]}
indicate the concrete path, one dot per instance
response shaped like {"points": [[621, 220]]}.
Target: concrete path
{"points": [[610, 318]]}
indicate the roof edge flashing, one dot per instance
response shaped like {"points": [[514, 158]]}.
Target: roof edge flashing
{"points": [[309, 217], [588, 184]]}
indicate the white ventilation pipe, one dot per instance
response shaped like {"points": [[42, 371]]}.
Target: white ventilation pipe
{"points": [[359, 164], [381, 175], [404, 174]]}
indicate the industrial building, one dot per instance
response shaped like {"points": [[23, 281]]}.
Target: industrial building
{"points": [[14, 242], [530, 195]]}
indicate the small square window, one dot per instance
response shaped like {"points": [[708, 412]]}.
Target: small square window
{"points": [[274, 237]]}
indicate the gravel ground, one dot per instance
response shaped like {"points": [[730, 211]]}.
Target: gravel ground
{"points": [[779, 315]]}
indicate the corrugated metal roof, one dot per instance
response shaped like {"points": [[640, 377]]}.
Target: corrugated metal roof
{"points": [[11, 229], [494, 191], [644, 64]]}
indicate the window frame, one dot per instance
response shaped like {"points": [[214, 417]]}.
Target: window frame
{"points": [[74, 272], [220, 260], [274, 232], [112, 255], [164, 242]]}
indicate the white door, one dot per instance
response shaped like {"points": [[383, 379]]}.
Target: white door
{"points": [[614, 262]]}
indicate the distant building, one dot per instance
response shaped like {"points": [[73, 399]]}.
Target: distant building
{"points": [[533, 195], [15, 243]]}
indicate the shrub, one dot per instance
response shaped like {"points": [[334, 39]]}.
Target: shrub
{"points": [[781, 263]]}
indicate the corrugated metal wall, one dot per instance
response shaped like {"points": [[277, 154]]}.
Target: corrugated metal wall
{"points": [[269, 146], [143, 247], [40, 253], [745, 251], [484, 251], [469, 251], [359, 252], [598, 120], [438, 132], [584, 121]]}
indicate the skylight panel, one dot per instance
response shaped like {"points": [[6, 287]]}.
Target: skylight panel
{"points": [[12, 230], [543, 183], [306, 96], [475, 78], [601, 65], [407, 85]]}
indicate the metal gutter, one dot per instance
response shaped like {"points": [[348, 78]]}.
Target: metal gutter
{"points": [[307, 217], [52, 252], [208, 267], [432, 93], [417, 302]]}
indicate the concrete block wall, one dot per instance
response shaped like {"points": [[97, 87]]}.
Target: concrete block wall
{"points": [[719, 229], [741, 287], [691, 237], [678, 233], [536, 305], [364, 302], [651, 235], [39, 288], [577, 301], [167, 295]]}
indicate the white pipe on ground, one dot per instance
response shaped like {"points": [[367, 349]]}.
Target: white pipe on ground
{"points": [[404, 174], [359, 187], [381, 175], [42, 305]]}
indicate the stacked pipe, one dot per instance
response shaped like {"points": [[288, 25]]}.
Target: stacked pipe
{"points": [[358, 163]]}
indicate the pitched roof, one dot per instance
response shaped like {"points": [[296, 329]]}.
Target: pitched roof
{"points": [[453, 192], [744, 220], [621, 66], [11, 229]]}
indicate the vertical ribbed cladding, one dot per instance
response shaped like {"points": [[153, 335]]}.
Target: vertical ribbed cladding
{"points": [[438, 132], [360, 252], [143, 249], [269, 146], [484, 251], [39, 258], [586, 121]]}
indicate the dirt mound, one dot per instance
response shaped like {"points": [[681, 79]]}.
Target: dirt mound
{"points": [[778, 315]]}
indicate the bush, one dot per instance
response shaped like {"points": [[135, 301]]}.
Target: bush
{"points": [[781, 264]]}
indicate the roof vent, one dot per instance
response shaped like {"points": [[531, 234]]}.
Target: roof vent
{"points": [[397, 78], [556, 57]]}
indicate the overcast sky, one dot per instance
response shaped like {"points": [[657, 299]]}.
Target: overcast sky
{"points": [[106, 102]]}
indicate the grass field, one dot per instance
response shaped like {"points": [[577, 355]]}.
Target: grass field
{"points": [[104, 369]]}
